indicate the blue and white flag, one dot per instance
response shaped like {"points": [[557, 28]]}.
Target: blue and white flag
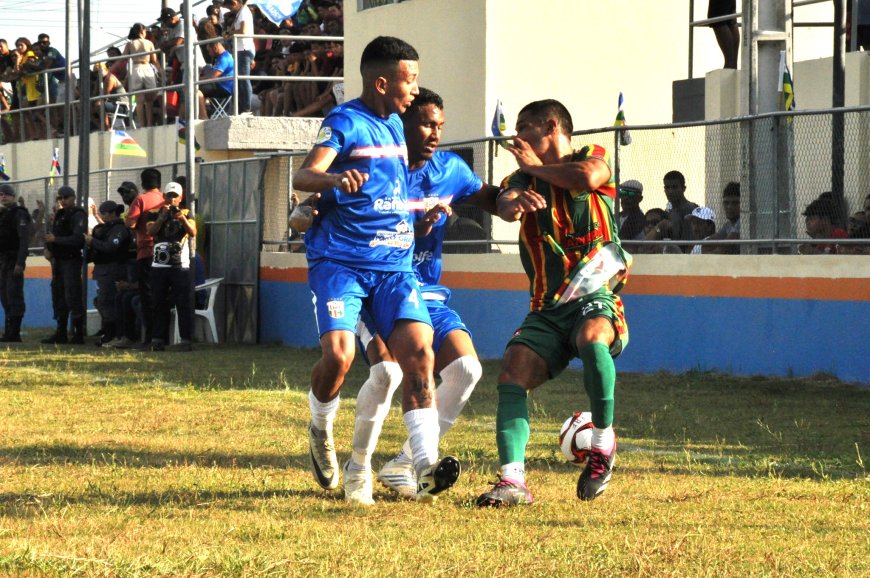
{"points": [[278, 10]]}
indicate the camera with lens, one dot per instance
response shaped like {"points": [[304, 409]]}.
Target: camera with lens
{"points": [[173, 210]]}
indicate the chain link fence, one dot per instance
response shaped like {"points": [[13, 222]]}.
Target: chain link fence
{"points": [[782, 162]]}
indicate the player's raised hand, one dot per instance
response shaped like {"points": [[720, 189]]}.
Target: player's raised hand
{"points": [[432, 215], [523, 153], [350, 181]]}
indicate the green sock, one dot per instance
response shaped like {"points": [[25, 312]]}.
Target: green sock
{"points": [[512, 423], [599, 377]]}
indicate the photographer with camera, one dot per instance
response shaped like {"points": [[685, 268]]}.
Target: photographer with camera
{"points": [[171, 280]]}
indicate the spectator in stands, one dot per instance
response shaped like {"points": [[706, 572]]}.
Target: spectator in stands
{"points": [[272, 99], [820, 215], [731, 228], [213, 14], [143, 72], [856, 221], [8, 92], [52, 58], [243, 23], [170, 269], [702, 223], [27, 66], [318, 98], [678, 207], [107, 84], [867, 208], [652, 230], [329, 10], [223, 67], [631, 217], [117, 67], [727, 33], [172, 42]]}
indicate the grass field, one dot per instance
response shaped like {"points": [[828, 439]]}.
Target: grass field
{"points": [[171, 464]]}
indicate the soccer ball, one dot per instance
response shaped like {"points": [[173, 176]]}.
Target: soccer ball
{"points": [[575, 437]]}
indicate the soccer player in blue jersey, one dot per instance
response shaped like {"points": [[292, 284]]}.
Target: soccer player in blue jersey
{"points": [[359, 249], [437, 179]]}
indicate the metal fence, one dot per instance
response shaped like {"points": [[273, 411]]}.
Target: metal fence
{"points": [[783, 162]]}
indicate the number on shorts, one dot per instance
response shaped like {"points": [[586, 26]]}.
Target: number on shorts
{"points": [[413, 298]]}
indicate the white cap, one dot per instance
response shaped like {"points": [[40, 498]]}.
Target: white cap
{"points": [[703, 213], [173, 188]]}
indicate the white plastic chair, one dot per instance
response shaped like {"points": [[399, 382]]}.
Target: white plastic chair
{"points": [[210, 285], [125, 112]]}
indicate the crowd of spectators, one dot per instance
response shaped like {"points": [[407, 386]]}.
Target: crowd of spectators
{"points": [[152, 59], [682, 220]]}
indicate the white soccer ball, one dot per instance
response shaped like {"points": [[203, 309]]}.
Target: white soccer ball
{"points": [[575, 437]]}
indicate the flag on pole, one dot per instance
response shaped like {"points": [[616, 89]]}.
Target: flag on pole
{"points": [[499, 126], [124, 145], [55, 169], [181, 128], [624, 135], [3, 174], [786, 87]]}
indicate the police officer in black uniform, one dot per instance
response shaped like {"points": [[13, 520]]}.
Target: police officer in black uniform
{"points": [[64, 244], [108, 248], [15, 231]]}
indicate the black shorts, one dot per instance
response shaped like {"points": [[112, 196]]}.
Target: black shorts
{"points": [[717, 8]]}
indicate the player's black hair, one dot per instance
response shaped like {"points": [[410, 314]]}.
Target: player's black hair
{"points": [[150, 179], [383, 53], [675, 176], [550, 108], [425, 97]]}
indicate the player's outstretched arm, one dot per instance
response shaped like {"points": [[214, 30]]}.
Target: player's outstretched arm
{"points": [[313, 175], [514, 203]]}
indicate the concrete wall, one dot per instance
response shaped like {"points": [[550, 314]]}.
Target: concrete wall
{"points": [[771, 315]]}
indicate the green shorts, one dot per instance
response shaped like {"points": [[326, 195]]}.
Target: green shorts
{"points": [[552, 333]]}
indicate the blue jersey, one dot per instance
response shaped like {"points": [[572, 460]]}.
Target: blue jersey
{"points": [[372, 228], [445, 178]]}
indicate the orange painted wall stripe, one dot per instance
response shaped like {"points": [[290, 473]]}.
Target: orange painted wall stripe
{"points": [[820, 288], [44, 272]]}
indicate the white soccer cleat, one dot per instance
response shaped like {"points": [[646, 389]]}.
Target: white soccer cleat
{"points": [[437, 478], [400, 477], [357, 486], [324, 464]]}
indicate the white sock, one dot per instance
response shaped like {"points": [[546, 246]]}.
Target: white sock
{"points": [[457, 382], [603, 439], [372, 407], [323, 414], [516, 471], [422, 427]]}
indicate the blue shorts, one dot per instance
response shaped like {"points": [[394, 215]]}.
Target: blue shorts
{"points": [[340, 292], [444, 321]]}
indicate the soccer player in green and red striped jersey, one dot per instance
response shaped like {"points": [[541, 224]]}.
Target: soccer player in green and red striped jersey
{"points": [[570, 251]]}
